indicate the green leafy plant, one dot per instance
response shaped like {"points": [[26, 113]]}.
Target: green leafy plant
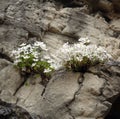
{"points": [[76, 65], [76, 57], [30, 59]]}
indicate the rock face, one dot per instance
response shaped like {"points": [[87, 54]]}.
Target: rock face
{"points": [[68, 95], [10, 111]]}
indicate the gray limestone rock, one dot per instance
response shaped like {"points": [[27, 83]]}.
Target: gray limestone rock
{"points": [[11, 111], [68, 95], [10, 79]]}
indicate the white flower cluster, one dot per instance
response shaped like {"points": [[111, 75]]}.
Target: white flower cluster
{"points": [[25, 50], [67, 52], [34, 51], [78, 51]]}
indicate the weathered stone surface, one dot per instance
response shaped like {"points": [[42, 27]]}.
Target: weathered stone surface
{"points": [[10, 111], [86, 103], [92, 84], [105, 5], [29, 97], [10, 37], [30, 94], [3, 63], [58, 94], [10, 79], [55, 41], [5, 4], [115, 26], [68, 95]]}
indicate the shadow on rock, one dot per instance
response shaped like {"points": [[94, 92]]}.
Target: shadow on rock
{"points": [[11, 111]]}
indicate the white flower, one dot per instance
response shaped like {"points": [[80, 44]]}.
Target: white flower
{"points": [[33, 64], [47, 70], [36, 55], [26, 57], [35, 60], [66, 53], [84, 40], [77, 51], [41, 45], [47, 57]]}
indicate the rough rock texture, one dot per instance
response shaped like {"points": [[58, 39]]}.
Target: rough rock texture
{"points": [[68, 95], [10, 111]]}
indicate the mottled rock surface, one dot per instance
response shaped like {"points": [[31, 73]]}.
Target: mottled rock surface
{"points": [[67, 95], [11, 111]]}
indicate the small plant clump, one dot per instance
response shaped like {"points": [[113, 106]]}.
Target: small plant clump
{"points": [[34, 58], [30, 58], [80, 56]]}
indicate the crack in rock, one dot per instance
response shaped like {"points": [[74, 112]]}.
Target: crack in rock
{"points": [[23, 83], [74, 97], [4, 56]]}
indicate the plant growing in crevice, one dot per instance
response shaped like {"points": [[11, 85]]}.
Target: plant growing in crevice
{"points": [[79, 56], [29, 58]]}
